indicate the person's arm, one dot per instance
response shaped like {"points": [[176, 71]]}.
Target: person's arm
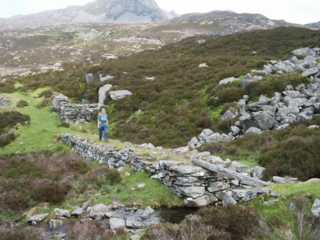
{"points": [[98, 122]]}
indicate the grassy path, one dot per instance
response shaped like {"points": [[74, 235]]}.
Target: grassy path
{"points": [[42, 132]]}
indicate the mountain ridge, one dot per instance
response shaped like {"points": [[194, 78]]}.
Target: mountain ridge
{"points": [[99, 11]]}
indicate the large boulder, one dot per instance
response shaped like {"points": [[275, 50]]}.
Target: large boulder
{"points": [[265, 120], [103, 93], [311, 72], [99, 211], [117, 223], [36, 219], [207, 136], [120, 94], [254, 130]]}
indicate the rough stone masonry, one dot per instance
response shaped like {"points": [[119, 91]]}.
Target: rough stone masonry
{"points": [[208, 180], [74, 113]]}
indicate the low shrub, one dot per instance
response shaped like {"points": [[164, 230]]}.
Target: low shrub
{"points": [[102, 176], [49, 191], [235, 223], [19, 233], [46, 94], [296, 156], [12, 118], [89, 230], [226, 94], [27, 180], [44, 103], [6, 138], [273, 84], [289, 152], [22, 104]]}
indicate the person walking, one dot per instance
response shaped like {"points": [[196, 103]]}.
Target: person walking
{"points": [[103, 125]]}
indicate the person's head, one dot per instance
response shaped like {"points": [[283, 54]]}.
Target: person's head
{"points": [[103, 111]]}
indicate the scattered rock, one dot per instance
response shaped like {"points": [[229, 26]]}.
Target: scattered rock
{"points": [[304, 52], [141, 185], [36, 219], [55, 224], [203, 201], [284, 180], [117, 223], [258, 172], [254, 130], [310, 72], [105, 78], [227, 199], [77, 212], [99, 211], [316, 208], [203, 65], [314, 127], [228, 80], [4, 102], [61, 213], [121, 94]]}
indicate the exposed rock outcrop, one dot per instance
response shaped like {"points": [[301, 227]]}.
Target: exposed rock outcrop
{"points": [[294, 104], [302, 60], [99, 11]]}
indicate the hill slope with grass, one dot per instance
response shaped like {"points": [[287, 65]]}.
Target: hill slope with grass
{"points": [[176, 105]]}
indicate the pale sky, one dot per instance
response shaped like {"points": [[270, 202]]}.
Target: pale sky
{"points": [[296, 11]]}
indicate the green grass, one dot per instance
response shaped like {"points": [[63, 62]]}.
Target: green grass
{"points": [[311, 188], [41, 135], [153, 194]]}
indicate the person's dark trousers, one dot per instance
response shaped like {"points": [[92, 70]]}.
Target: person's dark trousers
{"points": [[103, 134]]}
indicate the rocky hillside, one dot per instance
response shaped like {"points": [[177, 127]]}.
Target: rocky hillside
{"points": [[175, 94], [315, 25], [217, 23], [100, 11]]}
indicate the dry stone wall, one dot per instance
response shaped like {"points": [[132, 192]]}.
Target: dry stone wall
{"points": [[74, 113], [208, 180]]}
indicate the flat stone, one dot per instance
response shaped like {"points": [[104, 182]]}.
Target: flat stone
{"points": [[61, 213], [36, 219], [200, 202], [316, 208], [228, 80], [254, 130], [227, 199], [120, 94], [117, 223], [77, 212], [284, 180], [99, 211], [193, 191], [310, 72]]}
